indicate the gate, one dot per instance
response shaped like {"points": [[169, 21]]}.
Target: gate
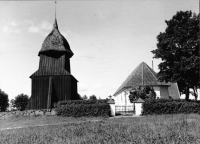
{"points": [[124, 110]]}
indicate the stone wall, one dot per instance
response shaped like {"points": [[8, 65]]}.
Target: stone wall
{"points": [[27, 113]]}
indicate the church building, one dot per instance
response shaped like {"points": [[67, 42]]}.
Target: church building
{"points": [[53, 81], [144, 75]]}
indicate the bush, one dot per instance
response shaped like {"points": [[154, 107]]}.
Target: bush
{"points": [[3, 101], [92, 97], [69, 102], [170, 106], [78, 110], [144, 92]]}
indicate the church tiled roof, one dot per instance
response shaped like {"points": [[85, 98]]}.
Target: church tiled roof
{"points": [[144, 75], [55, 41]]}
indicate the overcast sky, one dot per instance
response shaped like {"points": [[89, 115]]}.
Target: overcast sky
{"points": [[109, 39]]}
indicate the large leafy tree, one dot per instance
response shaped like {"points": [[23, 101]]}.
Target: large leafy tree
{"points": [[178, 48], [21, 101], [143, 92], [4, 102]]}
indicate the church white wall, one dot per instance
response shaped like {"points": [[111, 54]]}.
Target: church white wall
{"points": [[157, 91], [198, 91], [122, 99]]}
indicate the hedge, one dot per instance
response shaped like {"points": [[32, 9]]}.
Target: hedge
{"points": [[69, 102], [170, 106], [78, 110]]}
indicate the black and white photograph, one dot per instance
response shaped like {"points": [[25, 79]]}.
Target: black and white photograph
{"points": [[100, 71]]}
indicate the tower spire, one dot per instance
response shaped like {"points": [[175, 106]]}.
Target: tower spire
{"points": [[55, 26], [55, 9]]}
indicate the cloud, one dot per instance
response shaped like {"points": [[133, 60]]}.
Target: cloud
{"points": [[33, 29], [14, 24], [11, 27], [45, 25], [32, 26], [42, 27]]}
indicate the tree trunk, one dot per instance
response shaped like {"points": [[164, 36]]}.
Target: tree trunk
{"points": [[187, 93]]}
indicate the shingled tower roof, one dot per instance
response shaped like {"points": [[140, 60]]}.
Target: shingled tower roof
{"points": [[55, 41], [141, 75]]}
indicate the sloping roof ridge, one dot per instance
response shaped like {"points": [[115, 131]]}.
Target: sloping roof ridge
{"points": [[124, 84], [134, 71], [42, 73], [153, 73]]}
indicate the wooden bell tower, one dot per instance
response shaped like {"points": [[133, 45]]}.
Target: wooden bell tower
{"points": [[53, 81]]}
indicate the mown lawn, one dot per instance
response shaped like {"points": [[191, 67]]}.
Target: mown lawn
{"points": [[25, 121], [170, 129]]}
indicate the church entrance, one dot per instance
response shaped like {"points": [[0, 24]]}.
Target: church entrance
{"points": [[124, 110]]}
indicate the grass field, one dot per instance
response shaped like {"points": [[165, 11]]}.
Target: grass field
{"points": [[27, 121], [170, 129]]}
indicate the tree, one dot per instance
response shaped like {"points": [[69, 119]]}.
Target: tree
{"points": [[84, 97], [93, 97], [143, 92], [3, 101], [21, 101], [12, 104], [178, 48]]}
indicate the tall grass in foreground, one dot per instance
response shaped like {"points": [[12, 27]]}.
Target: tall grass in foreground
{"points": [[167, 129]]}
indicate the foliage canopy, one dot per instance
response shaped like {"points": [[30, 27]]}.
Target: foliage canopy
{"points": [[93, 97], [21, 101], [143, 92], [178, 48]]}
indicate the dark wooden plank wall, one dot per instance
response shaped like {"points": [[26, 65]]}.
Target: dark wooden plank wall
{"points": [[54, 65], [64, 85], [39, 92], [63, 88]]}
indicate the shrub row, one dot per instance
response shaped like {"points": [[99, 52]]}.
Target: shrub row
{"points": [[78, 110], [69, 102], [170, 106]]}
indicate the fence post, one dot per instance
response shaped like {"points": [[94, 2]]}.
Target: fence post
{"points": [[111, 102]]}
